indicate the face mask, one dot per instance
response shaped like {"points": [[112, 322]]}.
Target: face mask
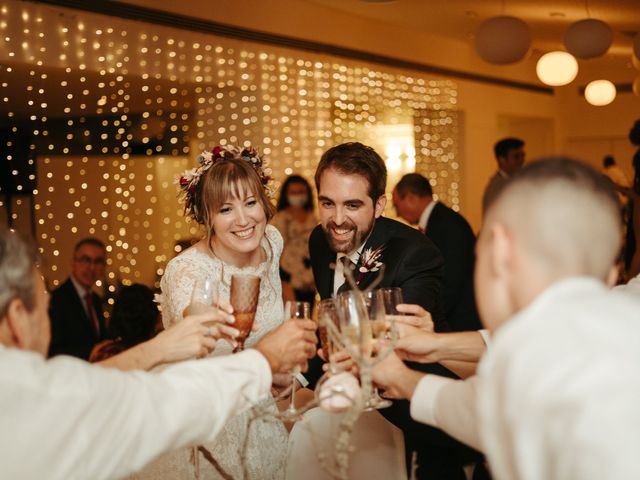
{"points": [[297, 200]]}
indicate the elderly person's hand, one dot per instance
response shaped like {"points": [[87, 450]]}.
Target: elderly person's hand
{"points": [[196, 335]]}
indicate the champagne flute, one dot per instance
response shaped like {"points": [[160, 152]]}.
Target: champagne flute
{"points": [[327, 314], [377, 314], [295, 311], [245, 293], [354, 325]]}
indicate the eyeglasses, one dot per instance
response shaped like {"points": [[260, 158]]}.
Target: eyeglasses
{"points": [[86, 260]]}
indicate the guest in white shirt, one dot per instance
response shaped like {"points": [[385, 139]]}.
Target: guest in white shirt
{"points": [[556, 395], [66, 419]]}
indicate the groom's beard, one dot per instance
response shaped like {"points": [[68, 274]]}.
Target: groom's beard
{"points": [[351, 244]]}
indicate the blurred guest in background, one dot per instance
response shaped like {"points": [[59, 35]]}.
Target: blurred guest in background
{"points": [[133, 321], [510, 155], [295, 220], [413, 201], [77, 319]]}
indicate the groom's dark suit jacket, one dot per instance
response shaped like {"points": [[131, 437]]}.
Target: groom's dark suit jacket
{"points": [[453, 236], [413, 263], [71, 330]]}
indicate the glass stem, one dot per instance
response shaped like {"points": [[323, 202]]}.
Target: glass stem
{"points": [[292, 405]]}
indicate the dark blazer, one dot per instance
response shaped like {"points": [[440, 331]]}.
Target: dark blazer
{"points": [[455, 239], [71, 329], [410, 262], [413, 263]]}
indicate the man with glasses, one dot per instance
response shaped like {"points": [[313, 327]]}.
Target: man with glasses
{"points": [[77, 320]]}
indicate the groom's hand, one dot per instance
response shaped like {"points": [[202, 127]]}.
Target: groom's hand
{"points": [[289, 346]]}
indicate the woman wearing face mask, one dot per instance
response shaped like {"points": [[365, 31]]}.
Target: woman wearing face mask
{"points": [[295, 219]]}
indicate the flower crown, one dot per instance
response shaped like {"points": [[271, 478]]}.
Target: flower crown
{"points": [[189, 180]]}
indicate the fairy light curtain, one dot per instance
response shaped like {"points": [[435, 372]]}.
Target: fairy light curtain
{"points": [[110, 111]]}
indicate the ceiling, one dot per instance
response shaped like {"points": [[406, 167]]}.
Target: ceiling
{"points": [[459, 19]]}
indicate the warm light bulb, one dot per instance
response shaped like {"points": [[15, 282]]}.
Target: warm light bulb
{"points": [[600, 93], [557, 68]]}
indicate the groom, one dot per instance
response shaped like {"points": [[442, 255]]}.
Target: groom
{"points": [[351, 180]]}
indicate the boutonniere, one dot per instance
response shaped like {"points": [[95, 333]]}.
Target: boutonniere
{"points": [[370, 261]]}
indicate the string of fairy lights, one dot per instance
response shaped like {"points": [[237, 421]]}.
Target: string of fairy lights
{"points": [[110, 111]]}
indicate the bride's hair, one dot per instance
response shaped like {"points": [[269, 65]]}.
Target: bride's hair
{"points": [[227, 178]]}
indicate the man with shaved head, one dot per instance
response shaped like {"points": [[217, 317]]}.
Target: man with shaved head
{"points": [[556, 395]]}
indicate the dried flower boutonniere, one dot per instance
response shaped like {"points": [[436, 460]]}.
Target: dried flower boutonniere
{"points": [[369, 261]]}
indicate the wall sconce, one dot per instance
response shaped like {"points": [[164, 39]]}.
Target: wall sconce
{"points": [[557, 68], [600, 92]]}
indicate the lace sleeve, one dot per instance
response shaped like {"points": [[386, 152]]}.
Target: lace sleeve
{"points": [[276, 242], [177, 285]]}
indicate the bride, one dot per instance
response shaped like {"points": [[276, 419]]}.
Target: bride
{"points": [[229, 195]]}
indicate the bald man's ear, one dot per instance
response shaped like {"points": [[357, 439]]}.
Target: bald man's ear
{"points": [[612, 277], [502, 249], [19, 328]]}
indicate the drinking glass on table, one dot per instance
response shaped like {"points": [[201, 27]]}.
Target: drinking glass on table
{"points": [[295, 311], [245, 293]]}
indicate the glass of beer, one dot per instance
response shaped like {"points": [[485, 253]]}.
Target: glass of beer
{"points": [[245, 292]]}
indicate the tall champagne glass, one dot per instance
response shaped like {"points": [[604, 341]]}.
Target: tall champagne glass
{"points": [[327, 314], [376, 310], [245, 293], [295, 311], [355, 327]]}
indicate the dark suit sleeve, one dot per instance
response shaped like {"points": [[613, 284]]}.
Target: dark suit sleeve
{"points": [[64, 327], [451, 233], [419, 273]]}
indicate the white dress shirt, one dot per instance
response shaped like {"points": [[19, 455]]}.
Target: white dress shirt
{"points": [[66, 419], [426, 213], [338, 274], [559, 391], [557, 394]]}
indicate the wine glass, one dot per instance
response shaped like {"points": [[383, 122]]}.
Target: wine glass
{"points": [[245, 293], [295, 311], [203, 297], [377, 314], [355, 327], [392, 297]]}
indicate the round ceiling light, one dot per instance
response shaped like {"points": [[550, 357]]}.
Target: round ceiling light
{"points": [[589, 38], [502, 40], [600, 92], [557, 68]]}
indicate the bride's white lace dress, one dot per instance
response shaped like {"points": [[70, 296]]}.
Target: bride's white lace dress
{"points": [[267, 442]]}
